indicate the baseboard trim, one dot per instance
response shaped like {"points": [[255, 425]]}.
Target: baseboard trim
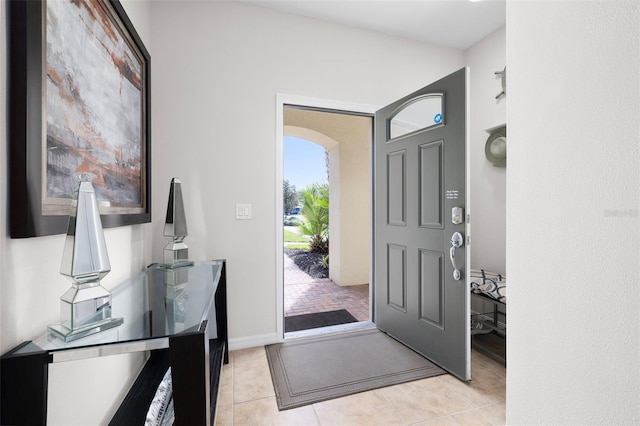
{"points": [[252, 341]]}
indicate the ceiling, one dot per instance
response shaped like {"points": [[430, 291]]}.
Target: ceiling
{"points": [[452, 23]]}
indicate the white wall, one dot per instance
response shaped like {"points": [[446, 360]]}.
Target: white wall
{"points": [[31, 286], [488, 183], [573, 219], [214, 97]]}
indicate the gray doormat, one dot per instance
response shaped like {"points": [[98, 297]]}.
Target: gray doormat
{"points": [[313, 370], [318, 319]]}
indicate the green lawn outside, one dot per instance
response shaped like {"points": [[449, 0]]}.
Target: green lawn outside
{"points": [[292, 237], [294, 241], [297, 246]]}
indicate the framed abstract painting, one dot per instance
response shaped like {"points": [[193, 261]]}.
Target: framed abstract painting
{"points": [[79, 109]]}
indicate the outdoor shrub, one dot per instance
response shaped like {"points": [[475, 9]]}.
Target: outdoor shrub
{"points": [[315, 210]]}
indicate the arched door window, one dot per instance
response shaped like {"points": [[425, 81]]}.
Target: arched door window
{"points": [[418, 114]]}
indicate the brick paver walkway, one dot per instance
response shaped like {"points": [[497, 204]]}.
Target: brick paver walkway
{"points": [[306, 295]]}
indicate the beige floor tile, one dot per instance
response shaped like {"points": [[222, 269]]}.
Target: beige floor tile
{"points": [[478, 392], [422, 400], [496, 414], [488, 374], [265, 412], [367, 408], [251, 376], [246, 358], [252, 383], [224, 416], [225, 395], [466, 418], [483, 365], [226, 378], [250, 365]]}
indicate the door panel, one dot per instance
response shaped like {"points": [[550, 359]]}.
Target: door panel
{"points": [[396, 281], [431, 287], [431, 179], [419, 177], [396, 190]]}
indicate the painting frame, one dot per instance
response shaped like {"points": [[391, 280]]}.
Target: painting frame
{"points": [[27, 123]]}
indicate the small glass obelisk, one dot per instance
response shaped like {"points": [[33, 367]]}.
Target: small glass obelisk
{"points": [[86, 307], [176, 252], [176, 259]]}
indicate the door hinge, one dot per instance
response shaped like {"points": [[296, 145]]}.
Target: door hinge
{"points": [[468, 217], [468, 240]]}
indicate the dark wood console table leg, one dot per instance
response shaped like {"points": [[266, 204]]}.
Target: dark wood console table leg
{"points": [[24, 387], [221, 311], [189, 355]]}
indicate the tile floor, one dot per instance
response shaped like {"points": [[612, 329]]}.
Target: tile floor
{"points": [[306, 295], [247, 398]]}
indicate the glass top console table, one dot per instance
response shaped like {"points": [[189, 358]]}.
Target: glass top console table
{"points": [[179, 310]]}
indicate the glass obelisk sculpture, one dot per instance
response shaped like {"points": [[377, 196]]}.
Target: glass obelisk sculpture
{"points": [[86, 307], [176, 252]]}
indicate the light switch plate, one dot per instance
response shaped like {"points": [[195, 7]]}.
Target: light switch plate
{"points": [[243, 212]]}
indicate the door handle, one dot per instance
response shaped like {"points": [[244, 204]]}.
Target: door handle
{"points": [[456, 241]]}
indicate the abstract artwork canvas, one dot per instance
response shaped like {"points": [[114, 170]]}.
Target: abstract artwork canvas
{"points": [[93, 106], [79, 111]]}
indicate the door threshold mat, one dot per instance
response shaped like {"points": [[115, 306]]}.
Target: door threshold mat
{"points": [[317, 320], [307, 371]]}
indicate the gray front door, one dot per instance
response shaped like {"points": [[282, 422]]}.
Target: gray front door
{"points": [[419, 176]]}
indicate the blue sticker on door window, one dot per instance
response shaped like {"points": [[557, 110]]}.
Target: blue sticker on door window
{"points": [[438, 118]]}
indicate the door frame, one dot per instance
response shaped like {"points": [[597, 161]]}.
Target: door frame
{"points": [[313, 103]]}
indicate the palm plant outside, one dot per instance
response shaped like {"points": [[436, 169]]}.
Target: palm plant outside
{"points": [[315, 210]]}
